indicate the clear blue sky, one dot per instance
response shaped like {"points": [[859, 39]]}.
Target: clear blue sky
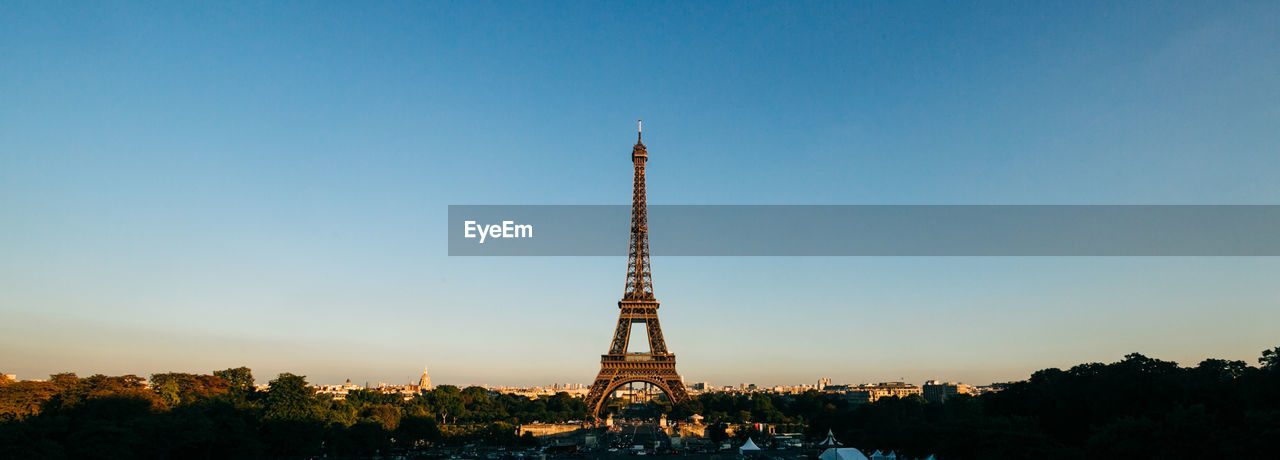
{"points": [[195, 187]]}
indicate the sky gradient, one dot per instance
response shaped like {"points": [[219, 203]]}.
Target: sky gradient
{"points": [[196, 187]]}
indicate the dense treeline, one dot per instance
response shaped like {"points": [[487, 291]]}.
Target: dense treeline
{"points": [[1135, 408], [221, 415], [1138, 407]]}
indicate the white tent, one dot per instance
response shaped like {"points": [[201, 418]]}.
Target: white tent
{"points": [[842, 453], [830, 441], [749, 446]]}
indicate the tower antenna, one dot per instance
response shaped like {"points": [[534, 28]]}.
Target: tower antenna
{"points": [[639, 129]]}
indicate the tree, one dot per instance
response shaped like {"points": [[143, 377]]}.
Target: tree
{"points": [[168, 391], [686, 409], [387, 415], [418, 407], [447, 401], [361, 439], [176, 388], [1270, 359], [240, 378], [416, 430], [717, 432], [362, 397], [20, 400], [1137, 406], [289, 398], [292, 438], [476, 399], [339, 412], [1220, 369]]}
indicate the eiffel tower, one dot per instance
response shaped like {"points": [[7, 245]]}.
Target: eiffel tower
{"points": [[657, 367]]}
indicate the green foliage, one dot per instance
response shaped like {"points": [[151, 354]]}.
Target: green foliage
{"points": [[289, 398], [686, 409], [362, 397], [340, 412], [19, 400], [177, 388], [240, 378], [417, 430], [718, 432], [1270, 359], [386, 415], [292, 437], [360, 439], [1138, 407], [447, 402]]}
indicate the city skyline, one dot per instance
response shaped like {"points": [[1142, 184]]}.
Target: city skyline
{"points": [[189, 190]]}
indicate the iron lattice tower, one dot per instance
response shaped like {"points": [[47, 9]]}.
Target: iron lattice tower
{"points": [[657, 367]]}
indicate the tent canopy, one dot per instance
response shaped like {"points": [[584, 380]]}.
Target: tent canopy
{"points": [[749, 445], [830, 441], [842, 453]]}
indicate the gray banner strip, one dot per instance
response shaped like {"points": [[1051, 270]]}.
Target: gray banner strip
{"points": [[943, 230]]}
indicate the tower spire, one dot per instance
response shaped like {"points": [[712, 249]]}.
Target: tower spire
{"points": [[639, 280], [639, 130]]}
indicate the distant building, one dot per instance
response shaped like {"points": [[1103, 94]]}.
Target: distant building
{"points": [[1001, 386], [791, 389], [548, 429], [992, 388], [573, 389], [424, 383], [937, 391], [568, 387], [870, 393], [406, 392], [700, 386], [338, 392]]}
